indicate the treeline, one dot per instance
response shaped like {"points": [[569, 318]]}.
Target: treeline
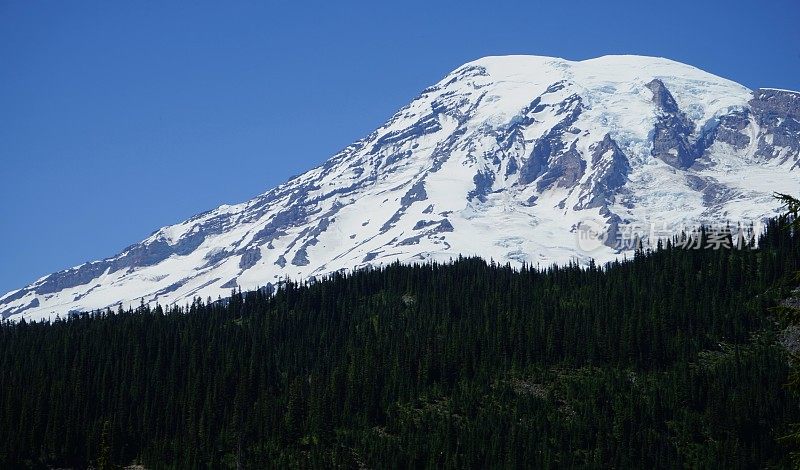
{"points": [[669, 359]]}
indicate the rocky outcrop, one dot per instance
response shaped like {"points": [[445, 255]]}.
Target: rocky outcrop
{"points": [[249, 258], [552, 157], [565, 169], [777, 112], [610, 169], [768, 102], [414, 194], [730, 130], [483, 185], [672, 129]]}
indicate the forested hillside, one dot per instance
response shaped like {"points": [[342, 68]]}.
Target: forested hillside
{"points": [[669, 359]]}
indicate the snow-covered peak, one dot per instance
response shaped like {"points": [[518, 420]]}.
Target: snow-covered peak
{"points": [[506, 157], [608, 68]]}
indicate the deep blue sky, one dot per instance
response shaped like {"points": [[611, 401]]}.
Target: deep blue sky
{"points": [[118, 119]]}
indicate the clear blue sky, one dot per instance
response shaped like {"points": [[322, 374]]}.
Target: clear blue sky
{"points": [[118, 119]]}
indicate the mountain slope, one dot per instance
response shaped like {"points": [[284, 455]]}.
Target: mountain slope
{"points": [[506, 158]]}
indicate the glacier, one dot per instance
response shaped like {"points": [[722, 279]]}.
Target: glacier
{"points": [[506, 158]]}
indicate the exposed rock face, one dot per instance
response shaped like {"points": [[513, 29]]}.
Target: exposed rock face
{"points": [[552, 148], [780, 103], [564, 171], [672, 130], [249, 258], [731, 129], [483, 185], [613, 163], [610, 172], [777, 112], [663, 99], [506, 158]]}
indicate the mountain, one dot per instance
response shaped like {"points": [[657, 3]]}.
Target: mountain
{"points": [[512, 158]]}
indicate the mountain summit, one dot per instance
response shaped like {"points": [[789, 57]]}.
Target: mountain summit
{"points": [[506, 158]]}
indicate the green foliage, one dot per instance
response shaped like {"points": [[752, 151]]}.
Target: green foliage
{"points": [[667, 360], [789, 313], [791, 206]]}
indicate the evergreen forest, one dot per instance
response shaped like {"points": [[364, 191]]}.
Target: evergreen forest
{"points": [[673, 358]]}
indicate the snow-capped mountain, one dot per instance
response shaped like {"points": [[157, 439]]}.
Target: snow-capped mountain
{"points": [[506, 158]]}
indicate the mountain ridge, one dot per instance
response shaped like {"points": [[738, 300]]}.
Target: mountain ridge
{"points": [[538, 146]]}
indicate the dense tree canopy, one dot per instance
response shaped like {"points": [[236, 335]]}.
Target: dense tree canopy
{"points": [[668, 359]]}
